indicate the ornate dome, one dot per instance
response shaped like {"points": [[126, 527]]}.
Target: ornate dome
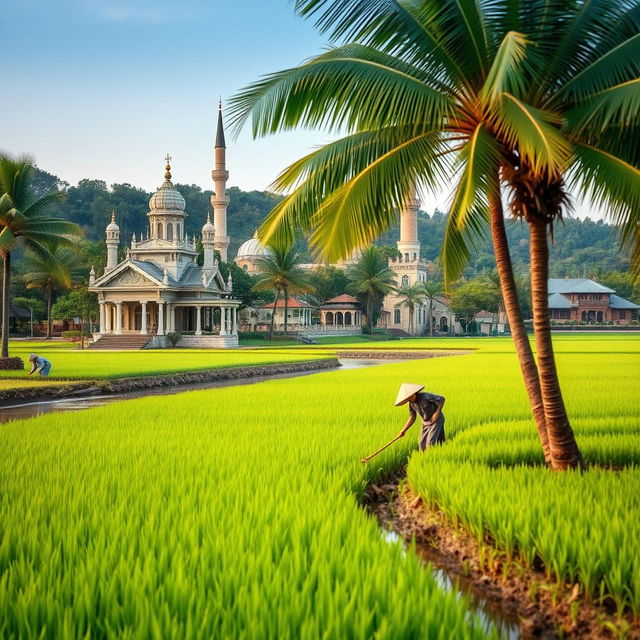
{"points": [[166, 198], [208, 226], [112, 226], [252, 248]]}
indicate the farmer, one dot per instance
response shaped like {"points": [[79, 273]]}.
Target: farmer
{"points": [[39, 365], [429, 406]]}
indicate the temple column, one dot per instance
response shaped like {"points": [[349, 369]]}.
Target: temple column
{"points": [[223, 321], [143, 317], [160, 318], [171, 318], [234, 328], [102, 319], [198, 320], [118, 318]]}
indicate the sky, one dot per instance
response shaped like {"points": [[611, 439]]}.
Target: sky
{"points": [[104, 89]]}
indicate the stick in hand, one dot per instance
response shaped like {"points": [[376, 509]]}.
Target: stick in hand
{"points": [[381, 449]]}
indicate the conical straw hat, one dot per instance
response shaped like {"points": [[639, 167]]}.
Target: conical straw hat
{"points": [[406, 391]]}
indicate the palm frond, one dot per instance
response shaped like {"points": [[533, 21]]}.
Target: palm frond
{"points": [[617, 106], [533, 133], [505, 74], [613, 186], [349, 88], [479, 163]]}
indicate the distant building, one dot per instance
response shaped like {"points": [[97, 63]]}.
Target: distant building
{"points": [[159, 288], [584, 300], [299, 314], [341, 312], [488, 323], [250, 253]]}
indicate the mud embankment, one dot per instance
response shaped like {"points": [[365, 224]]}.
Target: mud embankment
{"points": [[178, 379], [503, 590], [401, 355]]}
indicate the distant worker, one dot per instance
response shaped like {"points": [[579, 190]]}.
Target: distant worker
{"points": [[39, 365], [429, 407]]}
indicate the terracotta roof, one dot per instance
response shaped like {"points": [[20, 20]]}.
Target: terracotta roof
{"points": [[345, 297], [294, 303]]}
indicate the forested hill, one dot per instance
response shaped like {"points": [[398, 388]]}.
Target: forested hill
{"points": [[582, 247]]}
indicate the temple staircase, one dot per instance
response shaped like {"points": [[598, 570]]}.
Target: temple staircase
{"points": [[118, 342]]}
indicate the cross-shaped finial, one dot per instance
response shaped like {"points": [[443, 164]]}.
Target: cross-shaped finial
{"points": [[168, 158]]}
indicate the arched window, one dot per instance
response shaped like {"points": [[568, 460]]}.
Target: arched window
{"points": [[443, 325], [583, 317], [599, 316], [339, 320], [406, 257], [405, 281], [245, 267], [329, 317], [160, 230], [347, 318], [169, 231]]}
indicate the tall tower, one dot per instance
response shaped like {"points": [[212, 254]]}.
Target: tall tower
{"points": [[409, 245], [220, 199], [208, 243], [112, 234]]}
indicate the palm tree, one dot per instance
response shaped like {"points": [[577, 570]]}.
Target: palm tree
{"points": [[58, 272], [23, 219], [280, 272], [429, 90], [431, 291], [411, 296], [371, 280]]}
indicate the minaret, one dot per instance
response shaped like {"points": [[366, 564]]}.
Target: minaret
{"points": [[113, 240], [409, 245], [220, 199], [208, 243]]}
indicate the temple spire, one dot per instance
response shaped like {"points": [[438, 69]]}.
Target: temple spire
{"points": [[220, 142]]}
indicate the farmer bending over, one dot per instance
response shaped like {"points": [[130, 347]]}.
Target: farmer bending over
{"points": [[39, 365], [429, 406]]}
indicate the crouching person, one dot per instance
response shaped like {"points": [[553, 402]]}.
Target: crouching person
{"points": [[39, 365]]}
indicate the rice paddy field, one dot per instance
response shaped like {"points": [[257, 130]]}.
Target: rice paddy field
{"points": [[70, 363], [233, 512]]}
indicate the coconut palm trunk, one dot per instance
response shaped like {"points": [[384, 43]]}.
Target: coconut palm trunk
{"points": [[49, 323], [562, 443], [286, 309], [431, 317], [273, 314], [516, 323], [6, 284]]}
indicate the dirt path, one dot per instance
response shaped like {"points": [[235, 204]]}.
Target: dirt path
{"points": [[540, 607]]}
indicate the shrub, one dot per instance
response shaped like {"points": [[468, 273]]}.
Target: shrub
{"points": [[74, 336], [11, 364], [173, 337]]}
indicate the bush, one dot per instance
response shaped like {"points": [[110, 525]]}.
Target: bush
{"points": [[252, 335], [11, 364], [173, 337]]}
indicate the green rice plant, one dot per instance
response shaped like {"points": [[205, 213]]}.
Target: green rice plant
{"points": [[233, 512]]}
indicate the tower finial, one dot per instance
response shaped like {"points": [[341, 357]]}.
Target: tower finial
{"points": [[220, 142], [113, 216], [167, 175], [219, 103]]}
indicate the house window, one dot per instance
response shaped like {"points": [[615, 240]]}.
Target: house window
{"points": [[396, 316], [405, 281], [623, 315]]}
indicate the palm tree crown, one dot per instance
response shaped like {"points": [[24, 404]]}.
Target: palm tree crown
{"points": [[24, 220], [411, 296], [280, 272], [371, 280]]}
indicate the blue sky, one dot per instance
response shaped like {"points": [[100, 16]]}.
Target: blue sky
{"points": [[106, 89]]}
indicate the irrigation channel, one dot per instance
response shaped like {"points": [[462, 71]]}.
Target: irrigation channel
{"points": [[38, 407], [491, 616]]}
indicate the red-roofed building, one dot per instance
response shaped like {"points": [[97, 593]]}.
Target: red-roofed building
{"points": [[299, 313], [343, 311]]}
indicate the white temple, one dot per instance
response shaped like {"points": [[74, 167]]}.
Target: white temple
{"points": [[159, 288]]}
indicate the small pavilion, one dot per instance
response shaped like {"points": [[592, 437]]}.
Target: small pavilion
{"points": [[343, 311]]}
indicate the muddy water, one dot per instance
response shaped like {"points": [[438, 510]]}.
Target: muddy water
{"points": [[24, 410], [491, 617]]}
